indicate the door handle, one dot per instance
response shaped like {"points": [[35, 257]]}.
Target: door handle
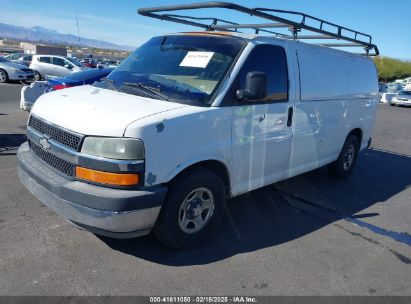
{"points": [[290, 116]]}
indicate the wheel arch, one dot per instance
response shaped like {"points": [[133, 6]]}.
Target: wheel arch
{"points": [[356, 132], [40, 73], [217, 166], [7, 74]]}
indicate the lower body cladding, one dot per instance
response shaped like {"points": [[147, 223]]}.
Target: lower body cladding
{"points": [[110, 212]]}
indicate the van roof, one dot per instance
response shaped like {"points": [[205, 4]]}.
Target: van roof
{"points": [[301, 29]]}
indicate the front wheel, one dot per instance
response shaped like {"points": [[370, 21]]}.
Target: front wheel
{"points": [[344, 165], [3, 76], [193, 209]]}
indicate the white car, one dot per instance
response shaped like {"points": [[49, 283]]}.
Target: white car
{"points": [[189, 120], [20, 58], [14, 71], [55, 66], [403, 98], [389, 91]]}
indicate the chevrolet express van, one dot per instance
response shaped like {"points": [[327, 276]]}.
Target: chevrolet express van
{"points": [[190, 120]]}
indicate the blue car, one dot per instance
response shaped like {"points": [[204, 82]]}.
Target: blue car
{"points": [[29, 94], [76, 79]]}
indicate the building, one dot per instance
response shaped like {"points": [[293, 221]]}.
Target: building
{"points": [[43, 49]]}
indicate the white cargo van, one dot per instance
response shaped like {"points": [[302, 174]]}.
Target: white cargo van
{"points": [[189, 120]]}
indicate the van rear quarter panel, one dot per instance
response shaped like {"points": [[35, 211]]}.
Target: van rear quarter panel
{"points": [[338, 93]]}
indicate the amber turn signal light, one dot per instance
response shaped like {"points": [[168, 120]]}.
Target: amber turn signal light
{"points": [[116, 179]]}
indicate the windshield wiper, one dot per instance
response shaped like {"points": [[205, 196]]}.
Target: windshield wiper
{"points": [[150, 90], [109, 81]]}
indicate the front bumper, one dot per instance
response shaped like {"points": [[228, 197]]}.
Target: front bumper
{"points": [[115, 213], [401, 102]]}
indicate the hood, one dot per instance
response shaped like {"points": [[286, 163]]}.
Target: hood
{"points": [[94, 111], [13, 65]]}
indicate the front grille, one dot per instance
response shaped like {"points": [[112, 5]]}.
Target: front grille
{"points": [[57, 163], [66, 138], [27, 70]]}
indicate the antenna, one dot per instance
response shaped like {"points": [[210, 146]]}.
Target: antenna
{"points": [[78, 28]]}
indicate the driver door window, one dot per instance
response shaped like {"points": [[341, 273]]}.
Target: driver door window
{"points": [[58, 61], [271, 60], [68, 64]]}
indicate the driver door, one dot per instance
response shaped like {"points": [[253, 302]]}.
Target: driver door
{"points": [[59, 68], [261, 132]]}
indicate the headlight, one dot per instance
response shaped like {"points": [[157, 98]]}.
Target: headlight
{"points": [[115, 148]]}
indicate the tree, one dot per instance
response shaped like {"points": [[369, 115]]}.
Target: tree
{"points": [[390, 69]]}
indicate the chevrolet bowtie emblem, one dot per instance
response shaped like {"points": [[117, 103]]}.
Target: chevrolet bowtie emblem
{"points": [[45, 143]]}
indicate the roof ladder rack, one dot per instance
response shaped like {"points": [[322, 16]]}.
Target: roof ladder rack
{"points": [[351, 38]]}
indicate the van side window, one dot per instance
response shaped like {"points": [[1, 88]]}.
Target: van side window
{"points": [[44, 59], [271, 60]]}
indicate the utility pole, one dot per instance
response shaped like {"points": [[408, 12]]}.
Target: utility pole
{"points": [[78, 29]]}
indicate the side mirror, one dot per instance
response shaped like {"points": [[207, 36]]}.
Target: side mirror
{"points": [[255, 87], [68, 66]]}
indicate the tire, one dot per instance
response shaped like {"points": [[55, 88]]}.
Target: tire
{"points": [[4, 77], [345, 164], [37, 76], [192, 211]]}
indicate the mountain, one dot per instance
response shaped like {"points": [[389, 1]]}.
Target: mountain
{"points": [[45, 35]]}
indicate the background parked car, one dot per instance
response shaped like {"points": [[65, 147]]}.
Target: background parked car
{"points": [[393, 87], [29, 94], [107, 64], [390, 90], [51, 65], [89, 62], [13, 71], [403, 98], [20, 58]]}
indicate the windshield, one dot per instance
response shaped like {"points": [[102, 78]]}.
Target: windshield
{"points": [[74, 61], [185, 69], [405, 93]]}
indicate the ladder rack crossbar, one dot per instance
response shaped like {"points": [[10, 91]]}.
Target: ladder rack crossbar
{"points": [[340, 33]]}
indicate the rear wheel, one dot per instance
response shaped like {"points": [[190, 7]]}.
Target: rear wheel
{"points": [[4, 77], [345, 164], [193, 209]]}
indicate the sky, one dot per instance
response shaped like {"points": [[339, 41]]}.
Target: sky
{"points": [[389, 23]]}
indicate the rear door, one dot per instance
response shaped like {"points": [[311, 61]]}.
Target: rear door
{"points": [[262, 129], [44, 65]]}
